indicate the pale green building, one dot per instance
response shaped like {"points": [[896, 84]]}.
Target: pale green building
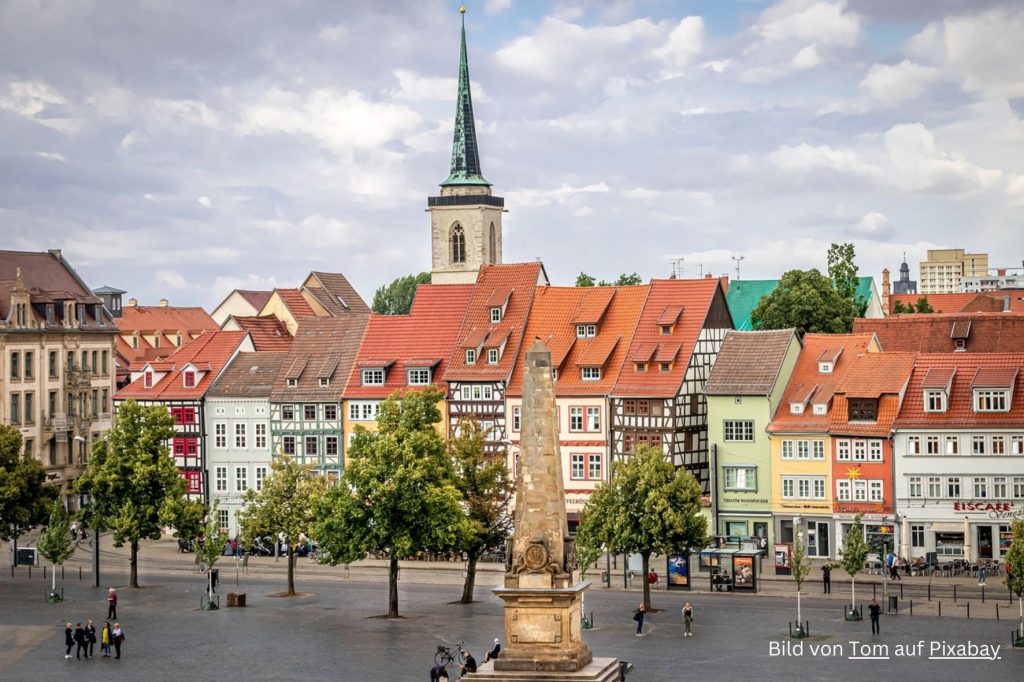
{"points": [[743, 391]]}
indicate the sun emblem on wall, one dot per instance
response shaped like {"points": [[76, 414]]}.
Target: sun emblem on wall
{"points": [[853, 473]]}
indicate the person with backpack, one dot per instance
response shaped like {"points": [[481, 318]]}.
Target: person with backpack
{"points": [[638, 616]]}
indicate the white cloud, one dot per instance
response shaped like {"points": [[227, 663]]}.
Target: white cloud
{"points": [[899, 82], [559, 195], [873, 224], [29, 98], [170, 279], [1015, 191], [821, 21], [684, 44], [51, 156], [806, 58], [204, 201], [496, 6]]}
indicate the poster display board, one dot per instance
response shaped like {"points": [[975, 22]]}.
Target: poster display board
{"points": [[678, 572], [782, 559]]}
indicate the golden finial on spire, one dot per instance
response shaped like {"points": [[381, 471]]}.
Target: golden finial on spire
{"points": [[462, 9]]}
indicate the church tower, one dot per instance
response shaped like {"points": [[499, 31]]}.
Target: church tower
{"points": [[465, 220]]}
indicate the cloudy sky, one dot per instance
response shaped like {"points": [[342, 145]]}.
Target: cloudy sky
{"points": [[180, 149]]}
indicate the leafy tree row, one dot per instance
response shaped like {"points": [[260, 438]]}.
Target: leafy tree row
{"points": [[585, 280]]}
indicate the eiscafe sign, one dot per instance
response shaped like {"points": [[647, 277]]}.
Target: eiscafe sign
{"points": [[994, 510]]}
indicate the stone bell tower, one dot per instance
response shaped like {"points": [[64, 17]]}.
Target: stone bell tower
{"points": [[465, 220]]}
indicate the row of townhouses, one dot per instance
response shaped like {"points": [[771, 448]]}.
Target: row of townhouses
{"points": [[922, 437]]}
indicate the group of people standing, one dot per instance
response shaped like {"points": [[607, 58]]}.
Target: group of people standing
{"points": [[84, 639], [641, 613]]}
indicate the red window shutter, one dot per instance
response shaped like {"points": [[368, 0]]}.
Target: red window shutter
{"points": [[179, 446], [192, 446], [188, 415]]}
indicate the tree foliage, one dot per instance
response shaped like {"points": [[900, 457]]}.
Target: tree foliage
{"points": [[397, 493], [55, 542], [799, 566], [24, 495], [1015, 569], [842, 269], [286, 506], [486, 489], [396, 298], [922, 306], [648, 507], [210, 551], [185, 516], [131, 476], [806, 300], [854, 553], [585, 280]]}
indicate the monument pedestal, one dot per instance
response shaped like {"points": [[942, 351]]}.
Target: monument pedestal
{"points": [[542, 627], [598, 670]]}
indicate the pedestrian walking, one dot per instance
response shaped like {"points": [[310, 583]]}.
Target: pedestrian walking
{"points": [[981, 576], [105, 640], [687, 619], [74, 531], [80, 643], [90, 638], [638, 616], [111, 604], [117, 635], [69, 640], [875, 610], [826, 578]]}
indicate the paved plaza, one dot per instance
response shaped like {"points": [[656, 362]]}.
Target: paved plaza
{"points": [[333, 632]]}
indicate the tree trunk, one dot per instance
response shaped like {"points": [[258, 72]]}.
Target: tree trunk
{"points": [[54, 588], [393, 587], [853, 593], [470, 583], [291, 571], [799, 614], [133, 580], [645, 567]]}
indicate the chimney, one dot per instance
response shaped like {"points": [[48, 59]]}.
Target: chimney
{"points": [[133, 302], [163, 303], [885, 291], [725, 282]]}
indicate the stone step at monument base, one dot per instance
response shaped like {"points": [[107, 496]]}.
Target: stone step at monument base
{"points": [[598, 670]]}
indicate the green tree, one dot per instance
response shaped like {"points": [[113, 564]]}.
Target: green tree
{"points": [[1015, 569], [899, 308], [799, 566], [24, 495], [212, 549], [842, 270], [923, 306], [397, 493], [131, 476], [648, 507], [628, 280], [854, 553], [186, 516], [55, 542], [585, 280], [285, 506], [486, 489], [806, 300], [396, 298]]}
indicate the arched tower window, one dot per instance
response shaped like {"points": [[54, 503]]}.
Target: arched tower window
{"points": [[493, 243], [458, 245]]}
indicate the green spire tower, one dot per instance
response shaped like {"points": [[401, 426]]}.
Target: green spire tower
{"points": [[465, 220], [465, 153]]}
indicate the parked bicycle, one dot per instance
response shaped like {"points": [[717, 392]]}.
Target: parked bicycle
{"points": [[447, 656]]}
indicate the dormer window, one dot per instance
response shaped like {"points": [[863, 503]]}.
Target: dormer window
{"points": [[590, 373], [495, 315], [665, 366], [135, 341], [492, 356], [147, 379], [586, 331], [666, 329], [796, 408], [820, 408], [470, 356], [325, 382], [189, 378], [825, 367], [373, 377], [863, 409], [418, 376], [640, 366], [81, 315], [292, 383], [50, 318], [156, 341], [934, 401], [991, 401], [959, 345]]}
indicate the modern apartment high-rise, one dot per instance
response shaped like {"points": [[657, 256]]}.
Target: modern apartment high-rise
{"points": [[944, 269]]}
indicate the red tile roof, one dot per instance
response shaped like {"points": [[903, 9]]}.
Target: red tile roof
{"points": [[209, 352], [695, 297], [553, 320], [323, 348], [938, 377], [995, 377], [295, 302], [806, 380], [423, 338], [147, 319], [932, 333], [963, 302], [874, 375], [268, 333], [250, 375], [519, 280], [960, 413]]}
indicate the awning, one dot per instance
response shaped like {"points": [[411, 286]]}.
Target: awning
{"points": [[947, 527]]}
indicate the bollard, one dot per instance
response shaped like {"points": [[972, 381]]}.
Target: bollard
{"points": [[997, 610], [901, 589], [12, 570], [62, 571], [929, 591], [30, 571], [79, 572], [982, 594], [911, 607], [968, 610], [591, 619], [44, 571], [940, 609], [873, 586], [954, 594]]}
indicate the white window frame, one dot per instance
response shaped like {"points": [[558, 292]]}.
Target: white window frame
{"points": [[471, 356], [495, 315], [221, 479], [492, 356], [261, 476], [1018, 487], [586, 331], [875, 450], [979, 445], [876, 491], [260, 437], [913, 445], [417, 376], [1017, 445], [577, 466], [593, 420], [997, 445], [979, 484], [935, 487], [915, 487], [517, 416], [220, 435], [999, 487], [738, 430], [843, 487], [991, 400], [595, 466], [241, 479], [590, 374], [240, 436], [576, 419], [739, 478], [934, 400], [843, 450], [373, 377], [952, 445]]}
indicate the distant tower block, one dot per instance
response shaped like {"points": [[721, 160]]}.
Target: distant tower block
{"points": [[465, 220]]}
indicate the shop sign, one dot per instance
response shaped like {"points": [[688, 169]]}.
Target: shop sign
{"points": [[994, 510]]}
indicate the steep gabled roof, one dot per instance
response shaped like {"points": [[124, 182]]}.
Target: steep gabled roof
{"points": [[695, 297], [553, 318], [268, 333], [336, 294], [250, 375], [257, 299], [209, 352], [520, 280], [423, 338], [934, 333], [881, 376], [960, 412], [48, 278], [807, 380], [147, 319], [295, 302], [320, 342], [749, 362]]}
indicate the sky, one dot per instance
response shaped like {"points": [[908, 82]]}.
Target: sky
{"points": [[180, 149]]}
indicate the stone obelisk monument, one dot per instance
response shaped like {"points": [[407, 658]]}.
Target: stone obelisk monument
{"points": [[542, 591]]}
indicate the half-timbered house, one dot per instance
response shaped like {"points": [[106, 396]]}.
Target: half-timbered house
{"points": [[658, 399]]}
